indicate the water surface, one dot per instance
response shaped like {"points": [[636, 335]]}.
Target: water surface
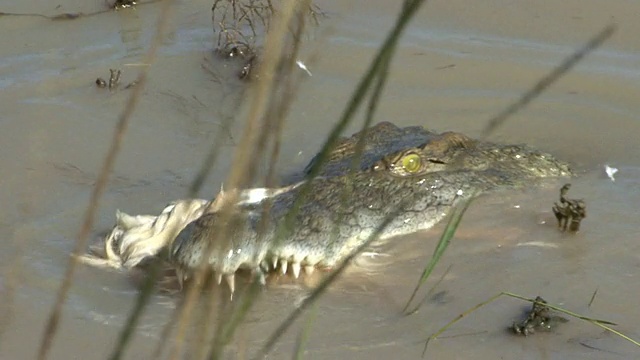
{"points": [[458, 64]]}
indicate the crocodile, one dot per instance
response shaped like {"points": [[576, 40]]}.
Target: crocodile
{"points": [[411, 174]]}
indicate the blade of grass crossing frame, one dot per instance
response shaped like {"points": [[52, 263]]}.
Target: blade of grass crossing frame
{"points": [[548, 80], [228, 324], [445, 239], [324, 284], [598, 322], [120, 130], [303, 337], [141, 301], [380, 62]]}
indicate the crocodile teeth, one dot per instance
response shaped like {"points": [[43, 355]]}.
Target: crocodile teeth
{"points": [[275, 263], [309, 269], [283, 266], [296, 269], [219, 278], [231, 281]]}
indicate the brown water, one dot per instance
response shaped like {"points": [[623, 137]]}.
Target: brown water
{"points": [[459, 63]]}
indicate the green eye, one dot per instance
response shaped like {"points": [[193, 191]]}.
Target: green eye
{"points": [[411, 163]]}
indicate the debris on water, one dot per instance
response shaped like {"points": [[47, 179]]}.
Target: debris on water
{"points": [[539, 318], [248, 72], [114, 78], [114, 81], [235, 50], [569, 212], [610, 172], [540, 244], [240, 51], [124, 4], [101, 83], [302, 66], [131, 84], [241, 27]]}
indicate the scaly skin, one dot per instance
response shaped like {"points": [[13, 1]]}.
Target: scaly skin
{"points": [[342, 209]]}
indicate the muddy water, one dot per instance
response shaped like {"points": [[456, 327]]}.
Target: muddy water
{"points": [[458, 64]]}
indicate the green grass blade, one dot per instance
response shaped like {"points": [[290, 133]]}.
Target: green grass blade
{"points": [[304, 335], [445, 239], [379, 65], [559, 309], [227, 325], [324, 284], [382, 56], [598, 322], [141, 302], [53, 321], [458, 318], [374, 100]]}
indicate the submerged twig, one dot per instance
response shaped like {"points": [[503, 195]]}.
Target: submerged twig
{"points": [[593, 297]]}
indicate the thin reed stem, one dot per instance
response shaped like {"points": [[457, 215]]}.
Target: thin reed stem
{"points": [[303, 337], [324, 284], [83, 234], [244, 161], [445, 240], [549, 79], [604, 324]]}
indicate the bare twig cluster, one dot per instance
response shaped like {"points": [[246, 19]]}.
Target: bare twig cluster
{"points": [[239, 24]]}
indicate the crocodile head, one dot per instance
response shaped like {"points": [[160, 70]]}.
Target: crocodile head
{"points": [[414, 175]]}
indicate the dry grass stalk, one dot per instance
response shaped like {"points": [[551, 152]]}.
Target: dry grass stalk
{"points": [[83, 234], [544, 83], [11, 280], [252, 142]]}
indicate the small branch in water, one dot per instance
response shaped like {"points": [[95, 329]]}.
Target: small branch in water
{"points": [[593, 297]]}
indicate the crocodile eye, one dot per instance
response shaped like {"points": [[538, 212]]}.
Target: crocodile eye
{"points": [[411, 163]]}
